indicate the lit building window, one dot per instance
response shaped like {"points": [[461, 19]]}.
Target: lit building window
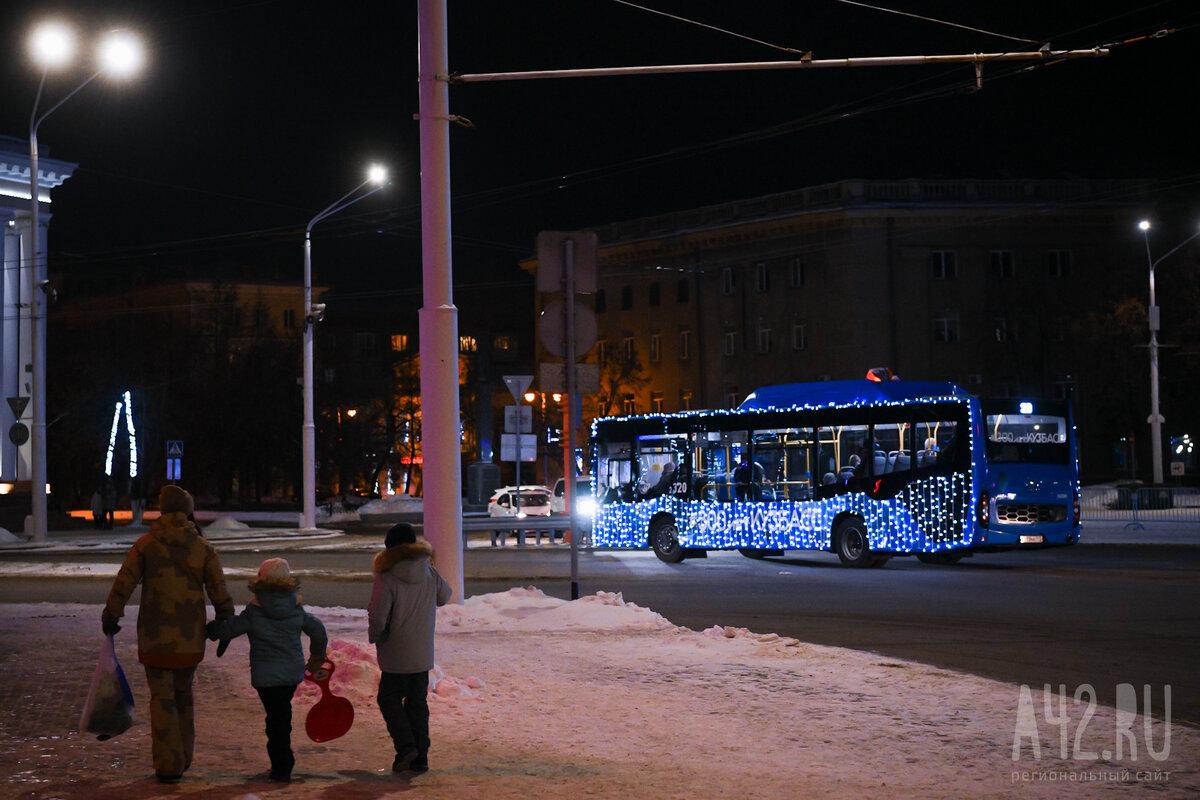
{"points": [[399, 342], [467, 344], [656, 402]]}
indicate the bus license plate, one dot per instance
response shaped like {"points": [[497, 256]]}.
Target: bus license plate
{"points": [[1031, 539]]}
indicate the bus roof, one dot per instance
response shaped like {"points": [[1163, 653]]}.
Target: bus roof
{"points": [[846, 393]]}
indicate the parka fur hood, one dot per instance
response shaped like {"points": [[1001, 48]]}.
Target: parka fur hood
{"points": [[400, 553], [277, 585]]}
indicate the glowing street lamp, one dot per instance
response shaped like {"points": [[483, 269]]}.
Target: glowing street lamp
{"points": [[376, 177], [1156, 419], [52, 46]]}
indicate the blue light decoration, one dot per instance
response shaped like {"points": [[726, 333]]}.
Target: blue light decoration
{"points": [[126, 403], [932, 513]]}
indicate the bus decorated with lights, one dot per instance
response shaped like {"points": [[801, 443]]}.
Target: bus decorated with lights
{"points": [[868, 470]]}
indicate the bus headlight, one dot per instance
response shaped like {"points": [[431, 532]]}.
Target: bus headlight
{"points": [[586, 506], [981, 512]]}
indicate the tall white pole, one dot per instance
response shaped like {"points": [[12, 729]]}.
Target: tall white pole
{"points": [[37, 454], [1155, 417], [440, 422], [308, 517]]}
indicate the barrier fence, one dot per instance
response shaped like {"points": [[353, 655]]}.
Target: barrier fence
{"points": [[1140, 503]]}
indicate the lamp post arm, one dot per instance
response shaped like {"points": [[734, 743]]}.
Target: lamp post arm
{"points": [[34, 119], [341, 204], [1170, 252]]}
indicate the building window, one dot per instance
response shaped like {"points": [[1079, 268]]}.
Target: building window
{"points": [[627, 348], [763, 340], [732, 397], [602, 352], [730, 343], [655, 347], [655, 294], [1002, 264], [466, 344], [656, 402], [1064, 388], [685, 401], [944, 265], [503, 343], [685, 345], [728, 280], [1058, 263], [1010, 388], [945, 326], [364, 344], [799, 336], [974, 379], [628, 404], [400, 342], [330, 374], [1006, 330], [683, 291], [601, 302], [626, 297], [796, 272], [289, 318], [762, 277]]}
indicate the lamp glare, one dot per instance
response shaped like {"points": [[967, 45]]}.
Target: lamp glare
{"points": [[52, 44], [120, 54]]}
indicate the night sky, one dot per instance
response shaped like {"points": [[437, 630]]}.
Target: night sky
{"points": [[252, 116]]}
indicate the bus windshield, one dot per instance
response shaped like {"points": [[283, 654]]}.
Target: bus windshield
{"points": [[1026, 438]]}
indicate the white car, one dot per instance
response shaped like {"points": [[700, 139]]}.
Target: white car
{"points": [[535, 502], [583, 496]]}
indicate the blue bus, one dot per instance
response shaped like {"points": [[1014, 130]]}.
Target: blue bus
{"points": [[868, 470]]}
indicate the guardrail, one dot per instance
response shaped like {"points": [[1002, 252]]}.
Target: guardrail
{"points": [[1140, 503]]}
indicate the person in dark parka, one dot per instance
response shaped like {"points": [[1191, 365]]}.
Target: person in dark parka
{"points": [[400, 622]]}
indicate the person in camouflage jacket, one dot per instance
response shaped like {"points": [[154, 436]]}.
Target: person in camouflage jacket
{"points": [[175, 567]]}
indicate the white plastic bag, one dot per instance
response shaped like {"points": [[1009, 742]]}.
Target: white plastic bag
{"points": [[109, 707]]}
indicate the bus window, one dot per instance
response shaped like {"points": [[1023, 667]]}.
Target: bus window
{"points": [[1027, 438], [936, 443], [893, 448], [615, 478], [783, 456], [659, 462], [718, 454]]}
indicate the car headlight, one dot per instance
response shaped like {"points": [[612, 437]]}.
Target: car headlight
{"points": [[587, 506]]}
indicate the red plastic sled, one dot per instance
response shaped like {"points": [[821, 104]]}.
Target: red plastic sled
{"points": [[332, 716]]}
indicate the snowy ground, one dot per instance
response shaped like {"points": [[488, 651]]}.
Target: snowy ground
{"points": [[540, 698]]}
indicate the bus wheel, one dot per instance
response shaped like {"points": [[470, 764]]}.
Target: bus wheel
{"points": [[850, 542], [944, 559], [664, 540]]}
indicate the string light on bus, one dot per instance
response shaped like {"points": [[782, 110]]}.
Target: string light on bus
{"points": [[928, 516]]}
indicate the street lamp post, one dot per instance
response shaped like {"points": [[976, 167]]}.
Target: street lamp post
{"points": [[1156, 419], [312, 315], [52, 45]]}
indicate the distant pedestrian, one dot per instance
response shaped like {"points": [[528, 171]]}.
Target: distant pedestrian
{"points": [[274, 620], [110, 502], [98, 508], [400, 621], [137, 499], [175, 568]]}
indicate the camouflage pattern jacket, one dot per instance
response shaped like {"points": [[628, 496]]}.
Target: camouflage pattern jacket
{"points": [[175, 566]]}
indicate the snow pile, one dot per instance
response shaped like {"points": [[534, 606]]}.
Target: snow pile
{"points": [[396, 504], [531, 610], [226, 524]]}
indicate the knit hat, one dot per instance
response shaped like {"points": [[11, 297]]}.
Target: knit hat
{"points": [[400, 533], [173, 499], [275, 574]]}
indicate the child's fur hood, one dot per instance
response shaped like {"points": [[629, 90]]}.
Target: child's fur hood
{"points": [[402, 552], [282, 586]]}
